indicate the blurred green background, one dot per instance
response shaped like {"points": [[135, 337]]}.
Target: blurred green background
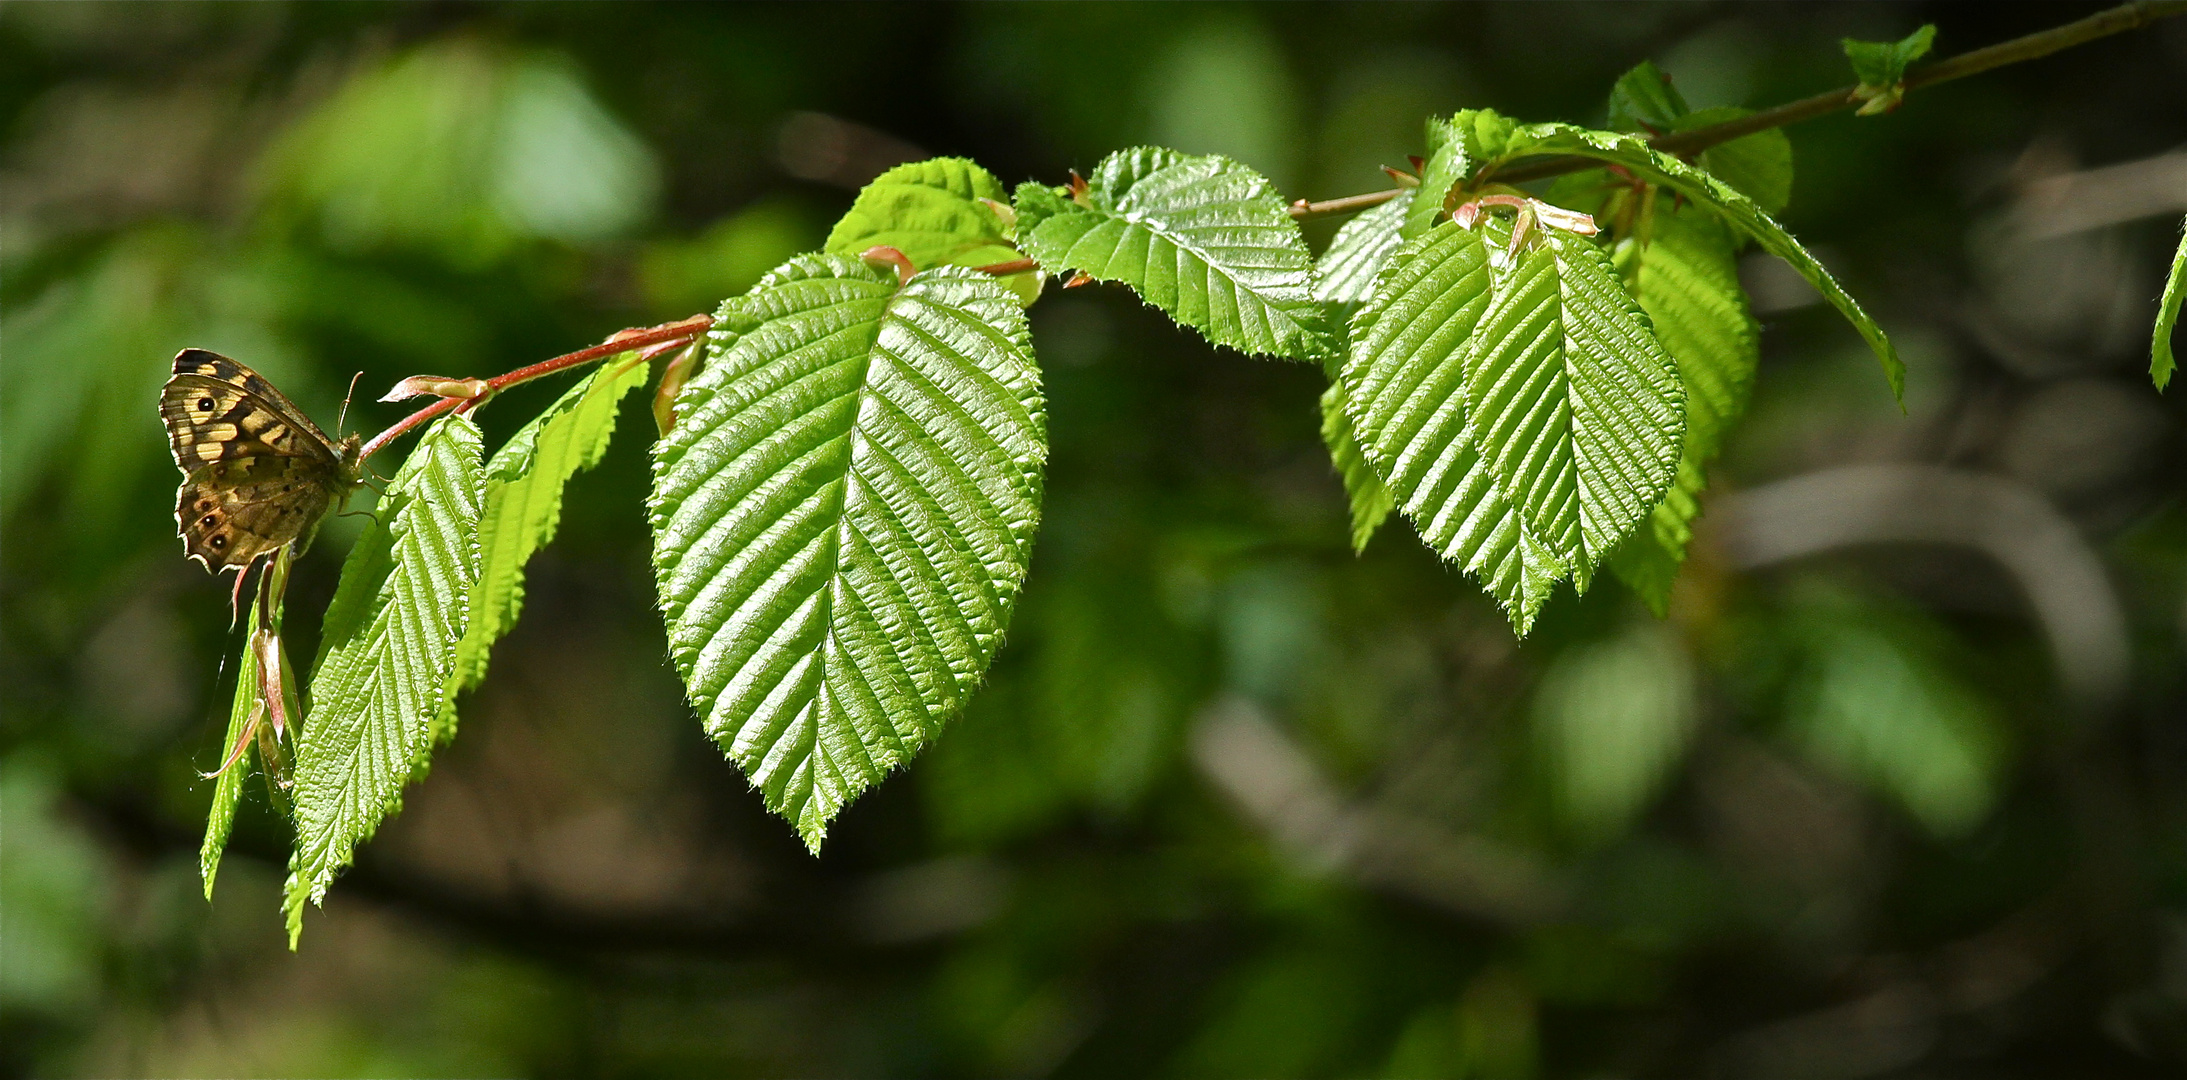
{"points": [[1897, 790]]}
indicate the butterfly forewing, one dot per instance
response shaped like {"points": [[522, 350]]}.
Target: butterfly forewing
{"points": [[257, 473]]}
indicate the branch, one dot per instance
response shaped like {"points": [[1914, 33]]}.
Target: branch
{"points": [[623, 341], [2116, 20]]}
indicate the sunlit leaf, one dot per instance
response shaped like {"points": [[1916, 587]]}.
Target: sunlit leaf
{"points": [[842, 518], [1735, 207], [1689, 285], [939, 212], [523, 508], [1405, 387], [1345, 273], [1205, 239], [1576, 407], [388, 646]]}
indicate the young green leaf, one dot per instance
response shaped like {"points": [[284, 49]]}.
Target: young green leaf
{"points": [[1643, 99], [1205, 239], [1688, 284], [1881, 68], [1576, 406], [235, 748], [1404, 392], [1369, 498], [1344, 280], [1758, 166], [523, 508], [1442, 168], [387, 648], [1345, 273], [2175, 290], [939, 212], [1728, 202], [842, 518]]}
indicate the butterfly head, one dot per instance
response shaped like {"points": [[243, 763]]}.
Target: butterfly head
{"points": [[350, 451]]}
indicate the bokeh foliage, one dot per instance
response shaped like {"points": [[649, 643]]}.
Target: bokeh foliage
{"points": [[1233, 801]]}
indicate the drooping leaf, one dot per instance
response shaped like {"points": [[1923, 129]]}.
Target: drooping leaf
{"points": [[1758, 166], [1728, 202], [1643, 99], [245, 714], [1576, 407], [388, 646], [842, 517], [523, 508], [1881, 68], [1404, 387], [2175, 290], [1364, 491], [1205, 239], [1346, 276], [933, 211], [1689, 285], [1345, 273]]}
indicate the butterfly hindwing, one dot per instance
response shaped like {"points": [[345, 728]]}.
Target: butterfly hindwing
{"points": [[257, 473], [231, 512]]}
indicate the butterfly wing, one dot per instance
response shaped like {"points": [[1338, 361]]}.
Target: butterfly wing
{"points": [[219, 410], [257, 472], [232, 512]]}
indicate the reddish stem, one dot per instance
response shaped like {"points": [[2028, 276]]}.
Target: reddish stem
{"points": [[1014, 266], [676, 332]]}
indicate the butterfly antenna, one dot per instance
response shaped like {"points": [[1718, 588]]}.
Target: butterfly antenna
{"points": [[341, 419]]}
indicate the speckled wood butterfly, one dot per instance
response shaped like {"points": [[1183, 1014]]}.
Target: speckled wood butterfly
{"points": [[257, 473]]}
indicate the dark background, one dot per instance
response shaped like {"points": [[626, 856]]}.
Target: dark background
{"points": [[1895, 791]]}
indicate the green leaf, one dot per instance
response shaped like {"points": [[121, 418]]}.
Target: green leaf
{"points": [[1370, 500], [243, 717], [389, 645], [2175, 289], [1881, 67], [1443, 167], [842, 519], [1576, 406], [1643, 99], [1689, 285], [1404, 391], [1728, 202], [1205, 239], [523, 508], [1758, 166], [933, 212], [1345, 279], [1345, 273]]}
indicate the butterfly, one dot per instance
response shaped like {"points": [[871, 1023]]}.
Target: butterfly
{"points": [[257, 473]]}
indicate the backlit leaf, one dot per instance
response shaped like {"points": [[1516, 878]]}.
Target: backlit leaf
{"points": [[388, 646], [1205, 239], [842, 518], [523, 508]]}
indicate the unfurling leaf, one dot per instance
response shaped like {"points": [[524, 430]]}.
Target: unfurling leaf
{"points": [[1881, 68], [842, 517], [1344, 275], [1205, 239], [387, 647], [523, 508], [940, 212]]}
